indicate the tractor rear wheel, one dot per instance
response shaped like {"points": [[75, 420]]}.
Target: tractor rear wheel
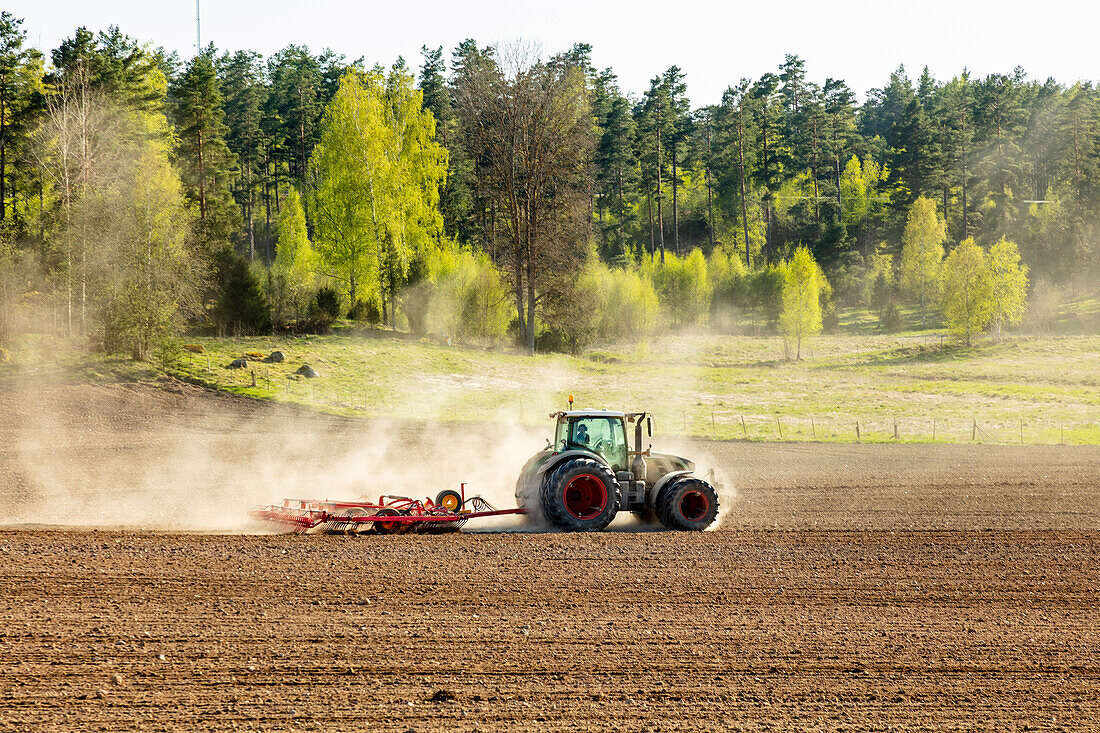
{"points": [[579, 495], [687, 504]]}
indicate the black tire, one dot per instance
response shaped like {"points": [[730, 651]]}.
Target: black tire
{"points": [[579, 495], [455, 500], [527, 492], [390, 527], [687, 504]]}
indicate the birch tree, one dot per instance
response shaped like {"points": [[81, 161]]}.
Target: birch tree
{"points": [[375, 178], [1007, 285], [800, 318], [966, 290], [922, 252]]}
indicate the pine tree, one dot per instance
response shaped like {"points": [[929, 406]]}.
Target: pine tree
{"points": [[241, 78], [20, 102], [655, 129], [768, 172], [678, 133], [840, 116], [998, 122], [616, 163], [736, 146], [207, 165]]}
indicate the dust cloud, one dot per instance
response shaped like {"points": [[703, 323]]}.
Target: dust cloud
{"points": [[177, 457]]}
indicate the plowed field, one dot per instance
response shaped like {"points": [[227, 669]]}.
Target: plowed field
{"points": [[913, 587]]}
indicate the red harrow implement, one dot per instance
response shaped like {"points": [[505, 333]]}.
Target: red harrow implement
{"points": [[448, 512]]}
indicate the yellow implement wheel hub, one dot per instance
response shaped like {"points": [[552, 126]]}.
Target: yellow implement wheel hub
{"points": [[449, 500]]}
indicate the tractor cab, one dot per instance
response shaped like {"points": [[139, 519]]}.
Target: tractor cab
{"points": [[599, 431]]}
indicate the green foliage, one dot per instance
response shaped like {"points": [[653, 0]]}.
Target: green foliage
{"points": [[889, 318], [1007, 284], [241, 308], [728, 284], [682, 286], [469, 297], [877, 277], [967, 292], [326, 303], [922, 252], [803, 283], [206, 163], [292, 277], [620, 303], [155, 282], [376, 175]]}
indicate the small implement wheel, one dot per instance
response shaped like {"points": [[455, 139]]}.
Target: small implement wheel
{"points": [[389, 527], [687, 504], [580, 495], [449, 499]]}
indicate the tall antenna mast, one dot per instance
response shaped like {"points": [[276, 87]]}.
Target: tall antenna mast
{"points": [[198, 30]]}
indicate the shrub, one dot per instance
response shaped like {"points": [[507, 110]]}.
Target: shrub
{"points": [[889, 318], [241, 308]]}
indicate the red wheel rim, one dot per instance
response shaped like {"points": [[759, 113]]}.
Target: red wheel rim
{"points": [[387, 527], [694, 506], [585, 496]]}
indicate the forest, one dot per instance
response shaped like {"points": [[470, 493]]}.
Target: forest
{"points": [[494, 195]]}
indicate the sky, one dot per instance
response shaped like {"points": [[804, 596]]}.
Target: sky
{"points": [[715, 43]]}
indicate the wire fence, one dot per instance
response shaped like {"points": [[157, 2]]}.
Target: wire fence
{"points": [[528, 408]]}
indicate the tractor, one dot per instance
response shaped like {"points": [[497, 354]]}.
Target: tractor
{"points": [[588, 474]]}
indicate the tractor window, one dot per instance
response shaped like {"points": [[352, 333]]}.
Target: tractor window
{"points": [[603, 435]]}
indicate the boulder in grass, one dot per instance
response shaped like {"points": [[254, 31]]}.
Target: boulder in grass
{"points": [[237, 364], [276, 357], [194, 348], [307, 371]]}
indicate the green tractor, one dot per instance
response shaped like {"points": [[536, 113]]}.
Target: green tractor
{"points": [[589, 474]]}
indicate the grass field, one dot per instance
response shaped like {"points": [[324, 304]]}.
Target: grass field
{"points": [[1043, 390], [916, 385]]}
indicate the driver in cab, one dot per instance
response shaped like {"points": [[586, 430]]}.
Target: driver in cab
{"points": [[580, 436]]}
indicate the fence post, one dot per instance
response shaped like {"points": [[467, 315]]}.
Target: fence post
{"points": [[974, 431], [780, 426], [743, 428], [933, 430], [813, 428], [857, 431], [896, 429]]}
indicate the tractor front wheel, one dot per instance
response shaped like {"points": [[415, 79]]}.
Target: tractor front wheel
{"points": [[579, 495], [687, 504]]}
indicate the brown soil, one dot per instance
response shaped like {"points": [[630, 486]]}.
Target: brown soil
{"points": [[850, 588]]}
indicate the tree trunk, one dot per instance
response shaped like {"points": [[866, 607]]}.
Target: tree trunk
{"points": [[649, 210], [744, 192], [813, 165], [202, 181], [531, 284], [3, 158], [836, 172], [965, 211], [660, 194], [675, 213]]}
